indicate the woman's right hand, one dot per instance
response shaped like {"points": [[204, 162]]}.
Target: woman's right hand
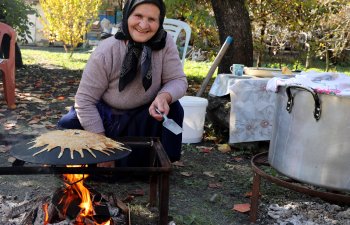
{"points": [[161, 102]]}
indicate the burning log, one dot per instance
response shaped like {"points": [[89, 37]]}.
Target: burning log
{"points": [[40, 216], [63, 207]]}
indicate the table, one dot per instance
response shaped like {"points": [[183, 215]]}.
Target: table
{"points": [[252, 107]]}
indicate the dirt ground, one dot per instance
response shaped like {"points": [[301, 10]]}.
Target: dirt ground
{"points": [[204, 186]]}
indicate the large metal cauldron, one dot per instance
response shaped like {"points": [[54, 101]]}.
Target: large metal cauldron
{"points": [[311, 137]]}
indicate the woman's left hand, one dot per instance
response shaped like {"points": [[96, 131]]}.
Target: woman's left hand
{"points": [[161, 102]]}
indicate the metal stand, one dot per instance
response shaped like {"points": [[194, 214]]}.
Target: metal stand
{"points": [[159, 172], [261, 160]]}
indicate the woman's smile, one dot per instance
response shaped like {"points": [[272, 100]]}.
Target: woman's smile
{"points": [[143, 22]]}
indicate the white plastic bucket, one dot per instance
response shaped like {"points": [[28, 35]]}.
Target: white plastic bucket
{"points": [[193, 125]]}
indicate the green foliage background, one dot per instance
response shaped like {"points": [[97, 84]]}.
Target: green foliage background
{"points": [[200, 16], [15, 13]]}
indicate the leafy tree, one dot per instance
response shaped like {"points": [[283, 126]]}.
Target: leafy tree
{"points": [[15, 13], [200, 16], [68, 20], [301, 25], [331, 36]]}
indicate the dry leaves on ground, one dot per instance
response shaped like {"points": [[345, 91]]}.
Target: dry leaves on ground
{"points": [[224, 148], [204, 149], [186, 174], [243, 208]]}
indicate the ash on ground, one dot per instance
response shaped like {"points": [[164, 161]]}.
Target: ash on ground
{"points": [[308, 213]]}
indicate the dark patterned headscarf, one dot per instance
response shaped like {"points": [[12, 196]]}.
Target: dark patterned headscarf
{"points": [[137, 51]]}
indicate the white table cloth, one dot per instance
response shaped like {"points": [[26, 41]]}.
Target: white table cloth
{"points": [[252, 107]]}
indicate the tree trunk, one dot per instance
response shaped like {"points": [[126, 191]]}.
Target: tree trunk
{"points": [[327, 60], [233, 20]]}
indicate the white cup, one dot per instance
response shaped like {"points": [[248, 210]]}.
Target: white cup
{"points": [[237, 69]]}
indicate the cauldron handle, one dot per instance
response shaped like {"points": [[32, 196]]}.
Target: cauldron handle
{"points": [[290, 102]]}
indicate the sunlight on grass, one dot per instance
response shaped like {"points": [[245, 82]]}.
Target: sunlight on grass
{"points": [[58, 58], [198, 69]]}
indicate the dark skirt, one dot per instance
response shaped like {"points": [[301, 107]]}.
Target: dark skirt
{"points": [[135, 123]]}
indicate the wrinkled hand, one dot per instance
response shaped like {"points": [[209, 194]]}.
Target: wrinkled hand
{"points": [[161, 102]]}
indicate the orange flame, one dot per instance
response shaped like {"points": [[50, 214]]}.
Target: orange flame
{"points": [[74, 184], [46, 213], [77, 185]]}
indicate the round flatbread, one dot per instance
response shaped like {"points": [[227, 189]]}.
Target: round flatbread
{"points": [[76, 140]]}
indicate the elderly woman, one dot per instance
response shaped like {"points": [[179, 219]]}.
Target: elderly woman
{"points": [[127, 77]]}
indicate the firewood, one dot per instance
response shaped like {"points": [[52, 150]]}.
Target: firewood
{"points": [[28, 218], [39, 220], [120, 204], [64, 222]]}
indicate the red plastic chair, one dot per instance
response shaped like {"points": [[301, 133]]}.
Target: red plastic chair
{"points": [[7, 66]]}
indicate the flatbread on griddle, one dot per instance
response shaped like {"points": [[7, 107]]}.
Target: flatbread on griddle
{"points": [[76, 140]]}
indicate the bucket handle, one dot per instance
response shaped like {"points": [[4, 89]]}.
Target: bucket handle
{"points": [[290, 102]]}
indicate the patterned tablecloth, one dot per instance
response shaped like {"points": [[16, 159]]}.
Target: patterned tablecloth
{"points": [[252, 107]]}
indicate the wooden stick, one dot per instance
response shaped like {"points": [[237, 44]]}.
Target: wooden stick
{"points": [[216, 62]]}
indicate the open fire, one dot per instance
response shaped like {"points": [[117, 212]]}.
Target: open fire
{"points": [[77, 204]]}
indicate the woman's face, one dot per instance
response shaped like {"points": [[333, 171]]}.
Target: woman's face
{"points": [[143, 22]]}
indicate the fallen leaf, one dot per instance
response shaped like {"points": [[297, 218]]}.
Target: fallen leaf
{"points": [[34, 121], [122, 206], [237, 159], [37, 126], [224, 148], [204, 149], [186, 174], [11, 159], [10, 124], [178, 164], [215, 185], [38, 83], [249, 194], [243, 208], [50, 126], [22, 105], [208, 173], [20, 117], [4, 148], [60, 98], [25, 112]]}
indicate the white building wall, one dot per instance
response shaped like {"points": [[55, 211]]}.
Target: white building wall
{"points": [[36, 30]]}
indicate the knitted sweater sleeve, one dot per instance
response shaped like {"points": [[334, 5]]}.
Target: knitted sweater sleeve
{"points": [[93, 84], [173, 77]]}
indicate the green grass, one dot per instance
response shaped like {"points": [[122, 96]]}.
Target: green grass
{"points": [[197, 71], [55, 56]]}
